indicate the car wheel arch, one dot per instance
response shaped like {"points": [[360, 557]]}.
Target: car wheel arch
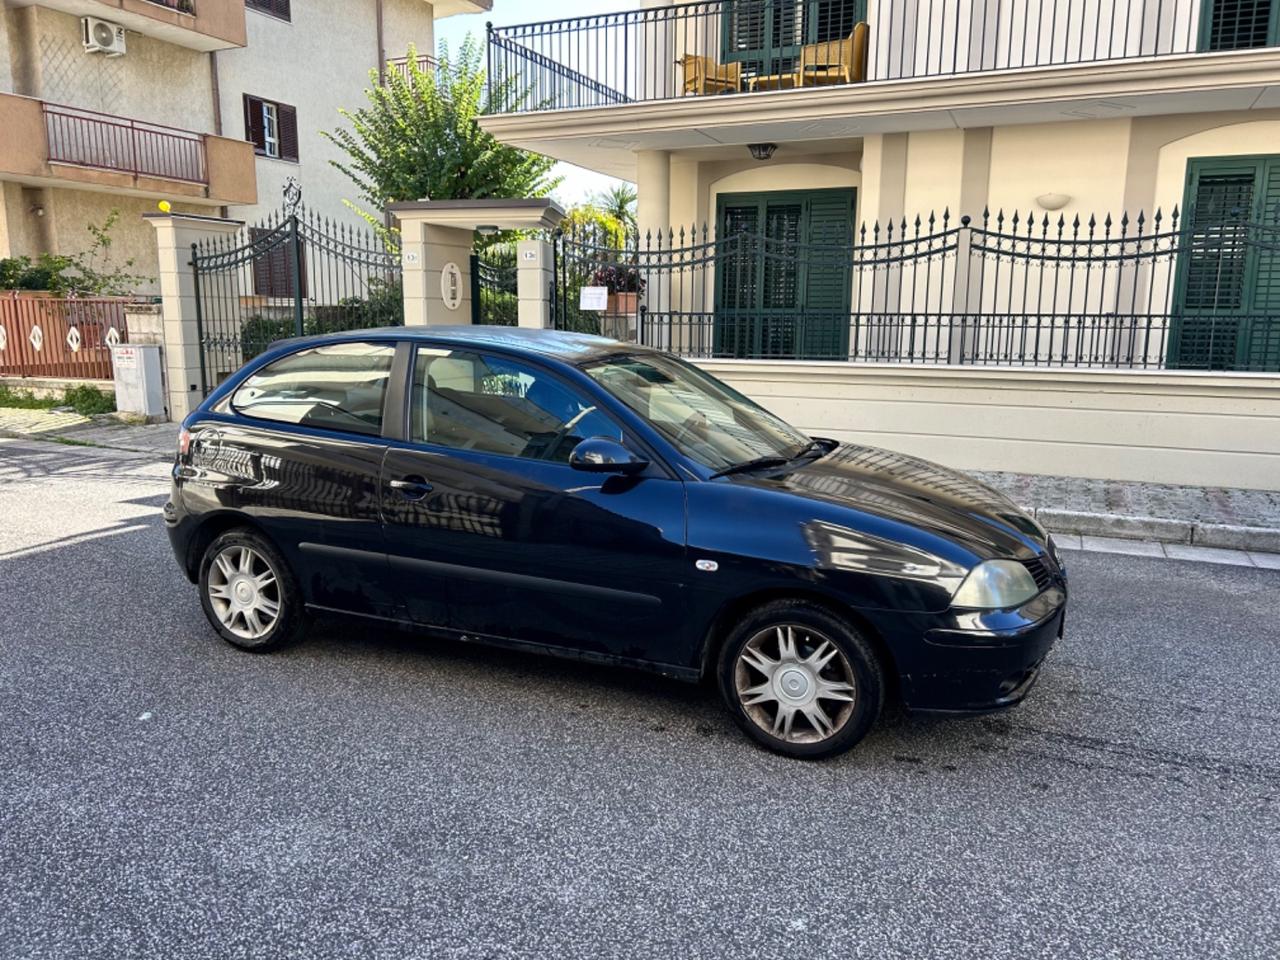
{"points": [[733, 610], [213, 526]]}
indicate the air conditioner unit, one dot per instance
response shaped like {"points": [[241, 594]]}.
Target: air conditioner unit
{"points": [[102, 36]]}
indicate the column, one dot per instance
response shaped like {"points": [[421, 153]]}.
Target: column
{"points": [[535, 265], [437, 272], [175, 234]]}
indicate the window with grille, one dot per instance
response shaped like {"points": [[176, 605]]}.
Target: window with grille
{"points": [[271, 127], [1240, 24]]}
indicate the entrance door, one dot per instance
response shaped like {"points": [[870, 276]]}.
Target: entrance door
{"points": [[784, 274], [1228, 289]]}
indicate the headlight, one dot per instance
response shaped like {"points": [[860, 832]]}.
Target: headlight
{"points": [[996, 585]]}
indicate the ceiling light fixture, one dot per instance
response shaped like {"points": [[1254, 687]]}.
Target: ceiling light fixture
{"points": [[762, 151]]}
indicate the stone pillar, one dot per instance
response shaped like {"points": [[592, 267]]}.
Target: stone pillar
{"points": [[434, 294], [175, 233], [535, 263]]}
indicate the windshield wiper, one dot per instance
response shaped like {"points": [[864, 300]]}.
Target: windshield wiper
{"points": [[759, 463]]}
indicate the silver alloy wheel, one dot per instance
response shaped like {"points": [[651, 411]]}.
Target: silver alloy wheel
{"points": [[793, 671], [244, 592]]}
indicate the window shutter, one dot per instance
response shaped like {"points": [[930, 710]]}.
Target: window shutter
{"points": [[288, 117], [737, 261], [273, 269], [829, 281], [1262, 349], [1240, 24], [253, 131]]}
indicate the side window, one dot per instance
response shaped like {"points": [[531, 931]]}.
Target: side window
{"points": [[490, 404], [338, 387]]}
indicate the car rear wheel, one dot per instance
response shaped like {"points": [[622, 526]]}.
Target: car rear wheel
{"points": [[248, 592], [800, 680]]}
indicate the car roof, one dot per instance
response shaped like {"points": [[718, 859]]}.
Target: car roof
{"points": [[564, 345]]}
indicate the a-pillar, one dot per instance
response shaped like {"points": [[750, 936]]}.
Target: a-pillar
{"points": [[534, 276], [175, 235], [437, 272]]}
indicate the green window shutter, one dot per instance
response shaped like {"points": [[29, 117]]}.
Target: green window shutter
{"points": [[1239, 24], [828, 281], [1261, 350], [737, 295]]}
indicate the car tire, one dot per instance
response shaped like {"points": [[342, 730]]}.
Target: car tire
{"points": [[249, 593], [800, 680]]}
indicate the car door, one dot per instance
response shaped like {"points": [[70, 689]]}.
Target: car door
{"points": [[297, 448], [482, 496]]}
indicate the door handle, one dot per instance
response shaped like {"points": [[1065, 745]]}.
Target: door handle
{"points": [[411, 488]]}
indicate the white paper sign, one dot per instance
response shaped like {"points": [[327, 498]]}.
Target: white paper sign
{"points": [[594, 298], [451, 286]]}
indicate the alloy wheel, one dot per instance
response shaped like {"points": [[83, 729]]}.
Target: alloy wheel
{"points": [[795, 684], [244, 592]]}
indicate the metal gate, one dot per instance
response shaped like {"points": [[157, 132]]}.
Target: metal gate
{"points": [[493, 286], [593, 257], [295, 274]]}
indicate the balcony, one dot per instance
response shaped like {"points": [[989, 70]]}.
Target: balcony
{"points": [[195, 24], [788, 70], [400, 65], [61, 146]]}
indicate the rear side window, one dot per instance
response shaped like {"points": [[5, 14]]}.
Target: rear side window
{"points": [[337, 387]]}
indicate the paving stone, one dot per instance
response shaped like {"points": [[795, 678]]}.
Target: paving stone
{"points": [[1234, 537], [1268, 561], [1138, 548], [1111, 525]]}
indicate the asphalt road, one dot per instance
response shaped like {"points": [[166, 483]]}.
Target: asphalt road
{"points": [[371, 794]]}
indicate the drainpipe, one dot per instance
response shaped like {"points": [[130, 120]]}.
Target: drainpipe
{"points": [[382, 50], [216, 90]]}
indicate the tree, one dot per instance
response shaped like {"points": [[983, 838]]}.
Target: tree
{"points": [[619, 202], [419, 136], [589, 223]]}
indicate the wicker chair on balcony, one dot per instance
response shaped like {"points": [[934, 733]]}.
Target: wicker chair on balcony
{"points": [[835, 61], [703, 76]]}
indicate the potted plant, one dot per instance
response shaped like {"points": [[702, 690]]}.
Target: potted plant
{"points": [[625, 286]]}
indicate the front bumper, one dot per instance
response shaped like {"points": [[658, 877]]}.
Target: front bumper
{"points": [[973, 662]]}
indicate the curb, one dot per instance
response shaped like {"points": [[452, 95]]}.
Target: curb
{"points": [[1159, 530]]}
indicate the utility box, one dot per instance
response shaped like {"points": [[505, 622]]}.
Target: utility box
{"points": [[139, 379]]}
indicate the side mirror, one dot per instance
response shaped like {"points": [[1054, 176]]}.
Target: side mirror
{"points": [[602, 455]]}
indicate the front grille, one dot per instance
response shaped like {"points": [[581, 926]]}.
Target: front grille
{"points": [[1039, 571]]}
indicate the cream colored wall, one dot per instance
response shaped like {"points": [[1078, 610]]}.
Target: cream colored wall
{"points": [[6, 57], [1201, 429], [317, 63], [154, 81], [1085, 159], [70, 212]]}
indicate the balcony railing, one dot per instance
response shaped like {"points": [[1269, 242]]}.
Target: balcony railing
{"points": [[744, 46], [182, 6], [104, 142], [400, 65]]}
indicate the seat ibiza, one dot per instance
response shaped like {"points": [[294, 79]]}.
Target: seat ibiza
{"points": [[599, 500]]}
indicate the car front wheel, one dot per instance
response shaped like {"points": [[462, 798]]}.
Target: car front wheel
{"points": [[800, 680], [248, 592]]}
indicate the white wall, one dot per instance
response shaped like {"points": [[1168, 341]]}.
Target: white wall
{"points": [[1201, 429], [318, 62]]}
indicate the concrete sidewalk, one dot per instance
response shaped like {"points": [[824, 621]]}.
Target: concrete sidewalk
{"points": [[1209, 517]]}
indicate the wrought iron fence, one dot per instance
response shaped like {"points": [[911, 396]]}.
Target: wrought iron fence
{"points": [[1017, 290], [294, 274], [88, 139], [493, 286], [742, 46], [44, 336]]}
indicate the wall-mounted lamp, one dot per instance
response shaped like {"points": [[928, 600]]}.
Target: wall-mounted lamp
{"points": [[1053, 201], [762, 151], [488, 230]]}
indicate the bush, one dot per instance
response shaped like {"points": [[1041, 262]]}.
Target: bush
{"points": [[87, 400], [25, 400]]}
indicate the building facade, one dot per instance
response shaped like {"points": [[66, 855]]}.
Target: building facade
{"points": [[212, 105], [896, 179]]}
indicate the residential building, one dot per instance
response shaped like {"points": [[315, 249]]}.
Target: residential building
{"points": [[828, 151], [212, 105]]}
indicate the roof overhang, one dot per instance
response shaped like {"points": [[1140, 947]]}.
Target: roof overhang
{"points": [[451, 8]]}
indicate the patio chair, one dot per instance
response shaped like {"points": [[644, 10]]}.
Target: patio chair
{"points": [[836, 61], [703, 76]]}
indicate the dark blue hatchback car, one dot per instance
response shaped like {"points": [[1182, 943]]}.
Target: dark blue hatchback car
{"points": [[599, 500]]}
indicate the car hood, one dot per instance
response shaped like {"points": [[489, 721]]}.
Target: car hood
{"points": [[925, 496]]}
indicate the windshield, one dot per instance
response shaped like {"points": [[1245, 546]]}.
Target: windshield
{"points": [[706, 420]]}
